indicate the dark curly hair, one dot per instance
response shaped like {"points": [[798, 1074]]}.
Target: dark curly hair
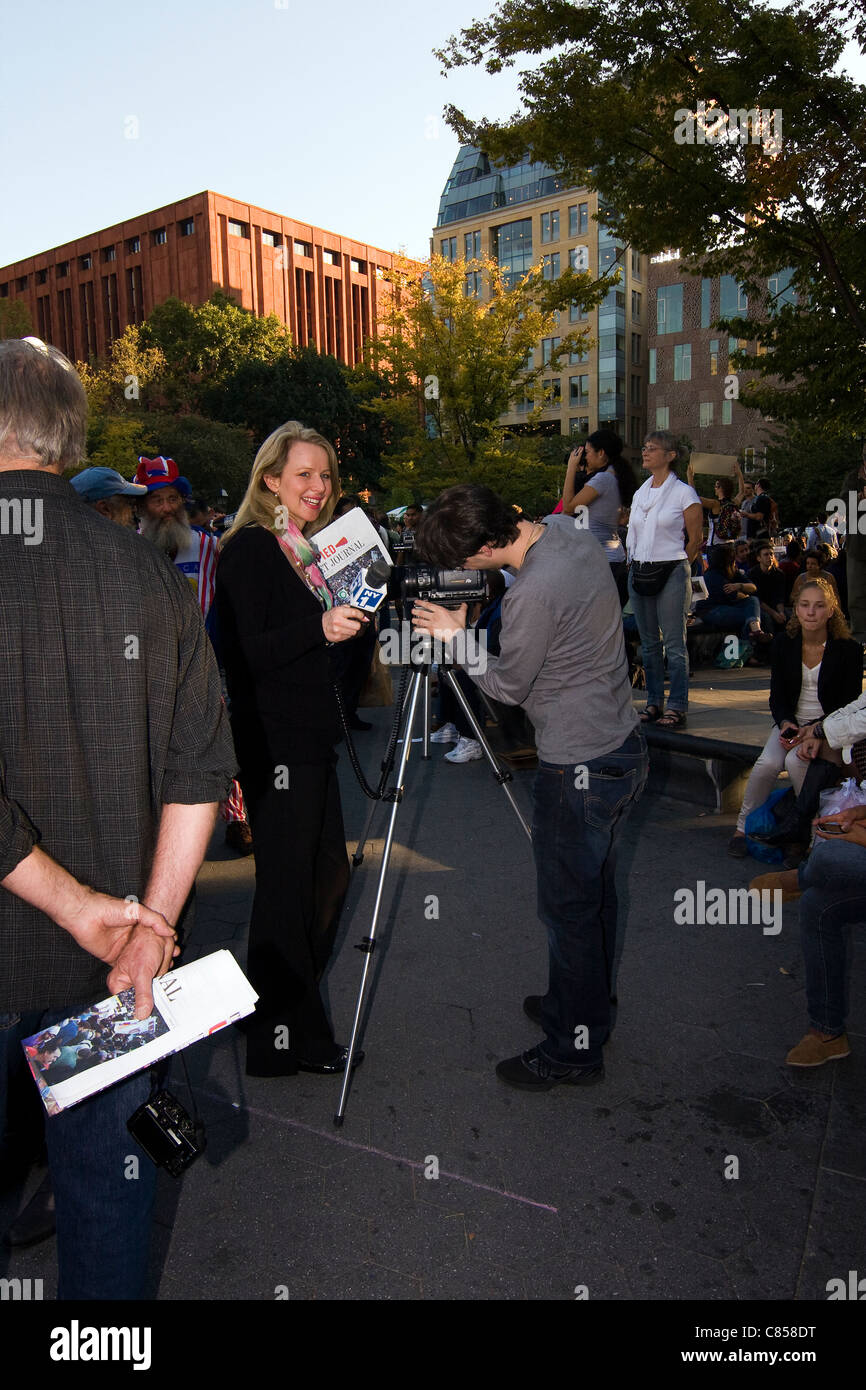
{"points": [[461, 521]]}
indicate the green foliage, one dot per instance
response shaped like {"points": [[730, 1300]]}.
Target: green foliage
{"points": [[14, 319], [120, 383], [633, 72], [808, 467], [210, 454]]}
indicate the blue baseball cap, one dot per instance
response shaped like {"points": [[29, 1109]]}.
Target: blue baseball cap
{"points": [[94, 484]]}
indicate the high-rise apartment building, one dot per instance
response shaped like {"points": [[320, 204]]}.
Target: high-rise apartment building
{"points": [[523, 213], [325, 286], [693, 388]]}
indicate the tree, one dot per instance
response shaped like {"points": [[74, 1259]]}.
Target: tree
{"points": [[117, 384], [14, 319], [456, 362], [205, 344], [647, 104]]}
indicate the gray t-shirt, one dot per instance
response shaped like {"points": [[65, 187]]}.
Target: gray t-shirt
{"points": [[603, 514], [562, 655]]}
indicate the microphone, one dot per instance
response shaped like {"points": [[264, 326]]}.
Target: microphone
{"points": [[368, 592]]}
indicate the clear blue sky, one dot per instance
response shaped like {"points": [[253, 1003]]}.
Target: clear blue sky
{"points": [[326, 112]]}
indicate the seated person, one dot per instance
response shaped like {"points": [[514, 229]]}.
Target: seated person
{"points": [[792, 565], [770, 588], [731, 604], [812, 570], [743, 558]]}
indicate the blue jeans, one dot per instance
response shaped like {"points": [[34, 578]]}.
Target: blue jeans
{"points": [[833, 880], [661, 623], [103, 1212], [575, 830], [740, 617]]}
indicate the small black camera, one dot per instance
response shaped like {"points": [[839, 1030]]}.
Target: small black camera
{"points": [[167, 1133]]}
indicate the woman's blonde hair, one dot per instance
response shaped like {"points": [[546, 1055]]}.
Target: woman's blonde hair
{"points": [[836, 624], [260, 505]]}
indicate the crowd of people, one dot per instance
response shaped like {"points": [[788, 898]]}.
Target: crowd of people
{"points": [[196, 665]]}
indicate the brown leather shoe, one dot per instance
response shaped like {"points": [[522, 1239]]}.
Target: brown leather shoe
{"points": [[786, 879], [814, 1049], [239, 837]]}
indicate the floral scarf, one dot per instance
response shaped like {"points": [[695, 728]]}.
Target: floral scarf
{"points": [[296, 546]]}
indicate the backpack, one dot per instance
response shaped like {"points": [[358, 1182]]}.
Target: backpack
{"points": [[727, 524]]}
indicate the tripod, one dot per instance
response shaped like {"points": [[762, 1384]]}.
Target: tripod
{"points": [[418, 690]]}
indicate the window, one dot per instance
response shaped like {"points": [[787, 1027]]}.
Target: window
{"points": [[474, 283], [133, 246], [780, 290], [635, 390], [578, 391], [635, 434], [706, 287], [550, 226], [85, 262], [576, 314], [714, 357], [524, 405], [238, 228], [449, 248], [552, 393], [548, 347], [736, 345], [669, 309], [578, 219], [579, 426], [303, 248], [732, 298], [160, 236], [635, 264], [62, 269], [472, 246], [513, 242], [271, 238], [706, 414], [109, 254], [683, 362], [42, 277], [550, 266], [358, 267], [21, 282], [579, 355], [331, 257], [663, 417], [134, 297], [578, 258], [187, 227], [727, 408], [636, 298], [652, 366], [110, 312], [635, 349]]}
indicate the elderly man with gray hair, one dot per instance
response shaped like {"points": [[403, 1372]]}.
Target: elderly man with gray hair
{"points": [[114, 753]]}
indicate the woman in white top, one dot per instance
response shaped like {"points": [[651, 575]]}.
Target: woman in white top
{"points": [[663, 511], [815, 668]]}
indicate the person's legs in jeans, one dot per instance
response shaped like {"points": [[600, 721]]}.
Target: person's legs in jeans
{"points": [[575, 832], [646, 617], [672, 607], [833, 880], [742, 618]]}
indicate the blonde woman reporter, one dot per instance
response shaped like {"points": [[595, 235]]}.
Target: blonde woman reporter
{"points": [[277, 623]]}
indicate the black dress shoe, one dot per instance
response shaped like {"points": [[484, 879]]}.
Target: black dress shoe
{"points": [[335, 1068]]}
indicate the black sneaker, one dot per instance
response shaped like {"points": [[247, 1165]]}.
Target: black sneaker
{"points": [[532, 1071]]}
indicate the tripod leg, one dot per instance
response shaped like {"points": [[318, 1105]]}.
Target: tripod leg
{"points": [[502, 777], [358, 856], [425, 715], [369, 941]]}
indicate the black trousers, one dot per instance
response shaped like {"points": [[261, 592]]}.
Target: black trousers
{"points": [[302, 875]]}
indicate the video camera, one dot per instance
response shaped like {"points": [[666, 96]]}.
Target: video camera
{"points": [[450, 588]]}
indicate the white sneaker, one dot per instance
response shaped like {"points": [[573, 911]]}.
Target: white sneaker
{"points": [[467, 750], [447, 734]]}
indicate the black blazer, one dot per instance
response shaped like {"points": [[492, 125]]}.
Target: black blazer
{"points": [[283, 707], [840, 678]]}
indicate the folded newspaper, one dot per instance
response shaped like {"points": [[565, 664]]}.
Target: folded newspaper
{"points": [[106, 1043], [347, 548]]}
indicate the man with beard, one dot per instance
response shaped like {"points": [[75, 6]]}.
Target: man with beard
{"points": [[165, 523]]}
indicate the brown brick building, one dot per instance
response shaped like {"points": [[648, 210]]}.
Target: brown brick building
{"points": [[693, 389], [327, 288]]}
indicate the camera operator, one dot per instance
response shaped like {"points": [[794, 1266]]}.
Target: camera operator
{"points": [[562, 658]]}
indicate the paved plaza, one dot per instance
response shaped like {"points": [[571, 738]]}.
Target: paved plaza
{"points": [[702, 1167]]}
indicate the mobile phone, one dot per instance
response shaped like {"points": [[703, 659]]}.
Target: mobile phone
{"points": [[832, 827]]}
